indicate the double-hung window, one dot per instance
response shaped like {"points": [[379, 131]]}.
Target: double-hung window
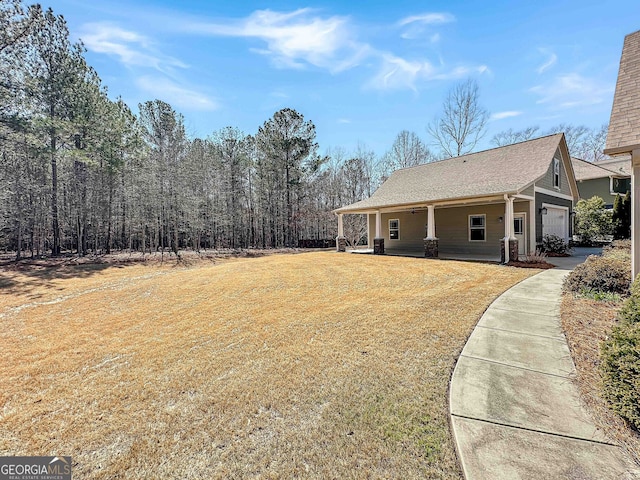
{"points": [[477, 228], [394, 229], [556, 173]]}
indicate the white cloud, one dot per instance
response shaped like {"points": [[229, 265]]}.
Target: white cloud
{"points": [[396, 72], [344, 120], [416, 26], [507, 114], [130, 47], [295, 39], [550, 62], [427, 18], [303, 38], [170, 92], [571, 90]]}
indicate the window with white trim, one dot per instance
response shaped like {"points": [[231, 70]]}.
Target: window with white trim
{"points": [[518, 226], [620, 185], [394, 229], [477, 228], [556, 173]]}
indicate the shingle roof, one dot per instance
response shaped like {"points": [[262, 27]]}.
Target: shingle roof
{"points": [[604, 168], [624, 126], [588, 170], [507, 169], [619, 165]]}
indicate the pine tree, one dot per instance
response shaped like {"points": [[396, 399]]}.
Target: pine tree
{"points": [[617, 218], [286, 143], [626, 216], [57, 72]]}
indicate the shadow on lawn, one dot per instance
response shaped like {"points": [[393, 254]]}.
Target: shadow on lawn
{"points": [[20, 277]]}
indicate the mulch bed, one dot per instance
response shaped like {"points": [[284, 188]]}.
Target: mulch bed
{"points": [[543, 265], [586, 324]]}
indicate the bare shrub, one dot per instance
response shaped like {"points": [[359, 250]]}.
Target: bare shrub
{"points": [[603, 274]]}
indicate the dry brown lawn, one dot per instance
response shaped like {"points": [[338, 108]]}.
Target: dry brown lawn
{"points": [[586, 324], [317, 365]]}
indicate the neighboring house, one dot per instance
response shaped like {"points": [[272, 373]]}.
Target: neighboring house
{"points": [[470, 204], [623, 137], [606, 179]]}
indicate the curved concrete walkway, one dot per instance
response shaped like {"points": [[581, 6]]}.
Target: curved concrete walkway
{"points": [[515, 411]]}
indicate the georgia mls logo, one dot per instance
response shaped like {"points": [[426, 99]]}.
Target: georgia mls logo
{"points": [[35, 468]]}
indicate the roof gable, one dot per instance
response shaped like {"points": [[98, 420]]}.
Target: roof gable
{"points": [[509, 169], [624, 126]]}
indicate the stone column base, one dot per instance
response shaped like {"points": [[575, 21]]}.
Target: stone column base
{"points": [[431, 248], [378, 246], [341, 244], [513, 251]]}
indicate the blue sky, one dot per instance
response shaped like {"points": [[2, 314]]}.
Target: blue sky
{"points": [[361, 71]]}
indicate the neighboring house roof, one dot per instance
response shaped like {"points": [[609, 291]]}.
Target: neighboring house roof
{"points": [[624, 126], [509, 169], [604, 168], [620, 165]]}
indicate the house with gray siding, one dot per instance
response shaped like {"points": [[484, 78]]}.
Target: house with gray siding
{"points": [[498, 202], [605, 179]]}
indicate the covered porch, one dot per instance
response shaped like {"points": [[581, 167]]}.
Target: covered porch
{"points": [[491, 229]]}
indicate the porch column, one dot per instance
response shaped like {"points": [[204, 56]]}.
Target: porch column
{"points": [[431, 242], [635, 213], [341, 241], [378, 241], [532, 226], [509, 244]]}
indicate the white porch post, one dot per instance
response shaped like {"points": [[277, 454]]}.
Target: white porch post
{"points": [[431, 222], [635, 213], [431, 242], [508, 218], [341, 241], [378, 242], [508, 247], [532, 226], [511, 217]]}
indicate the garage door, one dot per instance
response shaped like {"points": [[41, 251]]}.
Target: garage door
{"points": [[555, 222]]}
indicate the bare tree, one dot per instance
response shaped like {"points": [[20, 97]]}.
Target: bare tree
{"points": [[583, 142], [463, 121], [593, 145], [408, 150], [575, 135], [510, 136]]}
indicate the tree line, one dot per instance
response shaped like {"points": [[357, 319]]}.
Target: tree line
{"points": [[82, 173]]}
